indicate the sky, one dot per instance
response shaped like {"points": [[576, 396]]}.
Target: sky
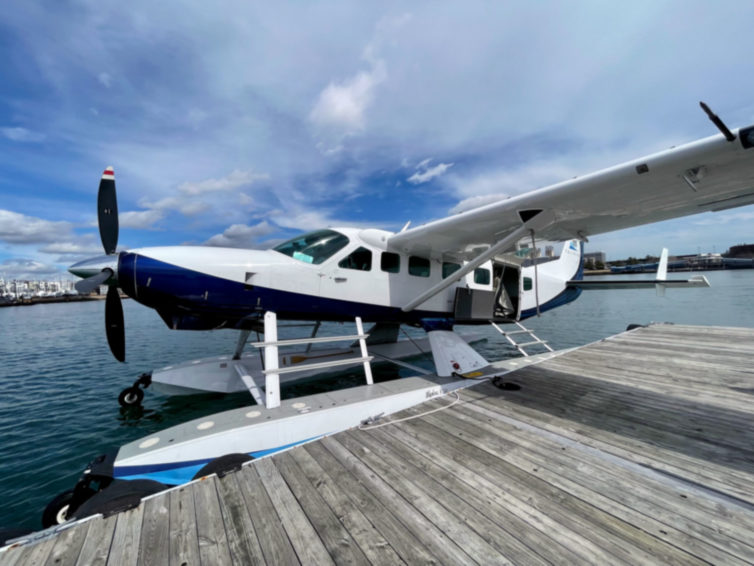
{"points": [[241, 124]]}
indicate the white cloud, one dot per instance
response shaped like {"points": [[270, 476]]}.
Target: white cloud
{"points": [[26, 268], [187, 205], [512, 180], [343, 105], [23, 135], [717, 219], [252, 94], [425, 173], [241, 235], [194, 208], [105, 79], [140, 219], [300, 218], [475, 202], [210, 197], [18, 228], [73, 248], [234, 180]]}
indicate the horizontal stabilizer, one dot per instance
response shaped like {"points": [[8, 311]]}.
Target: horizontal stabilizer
{"points": [[588, 285], [453, 355]]}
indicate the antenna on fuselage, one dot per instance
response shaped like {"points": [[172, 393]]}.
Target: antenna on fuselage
{"points": [[405, 226], [730, 136]]}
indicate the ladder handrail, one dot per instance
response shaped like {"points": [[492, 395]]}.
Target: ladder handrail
{"points": [[273, 371], [522, 330], [319, 365], [321, 340]]}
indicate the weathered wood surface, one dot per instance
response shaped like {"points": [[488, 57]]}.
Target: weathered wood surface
{"points": [[638, 449]]}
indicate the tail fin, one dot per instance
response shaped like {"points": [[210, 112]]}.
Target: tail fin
{"points": [[662, 272], [569, 265]]}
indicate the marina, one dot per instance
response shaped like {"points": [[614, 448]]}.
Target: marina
{"points": [[637, 448], [13, 292], [337, 310]]}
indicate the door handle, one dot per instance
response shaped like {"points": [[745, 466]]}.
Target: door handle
{"points": [[340, 279]]}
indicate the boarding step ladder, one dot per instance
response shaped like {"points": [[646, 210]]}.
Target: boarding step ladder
{"points": [[525, 333], [272, 370]]}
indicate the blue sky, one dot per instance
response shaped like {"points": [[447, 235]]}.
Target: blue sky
{"points": [[238, 124]]}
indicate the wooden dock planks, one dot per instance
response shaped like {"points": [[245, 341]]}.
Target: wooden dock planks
{"points": [[636, 449]]}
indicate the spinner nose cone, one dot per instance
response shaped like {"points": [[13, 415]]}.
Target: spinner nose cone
{"points": [[93, 266]]}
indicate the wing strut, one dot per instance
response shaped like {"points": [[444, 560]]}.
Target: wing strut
{"points": [[538, 221]]}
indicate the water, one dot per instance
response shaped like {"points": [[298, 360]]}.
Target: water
{"points": [[59, 384]]}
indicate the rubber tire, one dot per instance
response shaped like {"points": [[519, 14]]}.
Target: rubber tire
{"points": [[131, 397], [56, 512], [223, 465]]}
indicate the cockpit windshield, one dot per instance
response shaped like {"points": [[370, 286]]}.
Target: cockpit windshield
{"points": [[314, 247]]}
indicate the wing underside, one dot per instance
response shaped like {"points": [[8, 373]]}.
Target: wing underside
{"points": [[707, 175]]}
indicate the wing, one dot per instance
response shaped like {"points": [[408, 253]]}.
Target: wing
{"points": [[707, 175]]}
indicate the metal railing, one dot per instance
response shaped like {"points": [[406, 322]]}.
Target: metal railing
{"points": [[522, 330], [272, 370]]}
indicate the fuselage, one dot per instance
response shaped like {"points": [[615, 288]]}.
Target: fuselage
{"points": [[332, 275]]}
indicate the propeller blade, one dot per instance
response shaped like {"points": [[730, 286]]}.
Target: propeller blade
{"points": [[107, 211], [114, 327], [86, 286]]}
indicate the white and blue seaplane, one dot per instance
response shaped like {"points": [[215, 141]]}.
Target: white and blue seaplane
{"points": [[463, 269]]}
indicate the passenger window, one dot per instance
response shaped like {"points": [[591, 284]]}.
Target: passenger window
{"points": [[527, 284], [418, 266], [481, 276], [359, 259], [390, 262], [449, 268]]}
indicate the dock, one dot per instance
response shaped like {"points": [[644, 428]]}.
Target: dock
{"points": [[638, 449]]}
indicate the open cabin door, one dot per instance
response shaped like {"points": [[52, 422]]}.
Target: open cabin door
{"points": [[501, 303]]}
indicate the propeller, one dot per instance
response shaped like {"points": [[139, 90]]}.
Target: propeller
{"points": [[104, 270], [86, 286], [114, 327], [107, 211]]}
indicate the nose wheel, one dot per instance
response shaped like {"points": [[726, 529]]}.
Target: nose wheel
{"points": [[132, 396]]}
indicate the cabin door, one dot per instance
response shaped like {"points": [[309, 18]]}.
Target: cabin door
{"points": [[506, 284]]}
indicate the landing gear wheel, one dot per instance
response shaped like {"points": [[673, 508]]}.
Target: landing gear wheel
{"points": [[63, 507], [131, 396], [56, 512]]}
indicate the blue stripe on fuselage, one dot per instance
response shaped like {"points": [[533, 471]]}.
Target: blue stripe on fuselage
{"points": [[172, 289]]}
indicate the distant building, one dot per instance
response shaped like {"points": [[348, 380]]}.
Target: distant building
{"points": [[593, 258], [743, 251]]}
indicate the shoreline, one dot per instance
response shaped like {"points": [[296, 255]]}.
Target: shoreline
{"points": [[46, 300]]}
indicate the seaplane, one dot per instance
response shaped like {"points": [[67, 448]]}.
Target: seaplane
{"points": [[465, 269]]}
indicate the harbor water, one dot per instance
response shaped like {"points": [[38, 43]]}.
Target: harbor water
{"points": [[59, 384]]}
